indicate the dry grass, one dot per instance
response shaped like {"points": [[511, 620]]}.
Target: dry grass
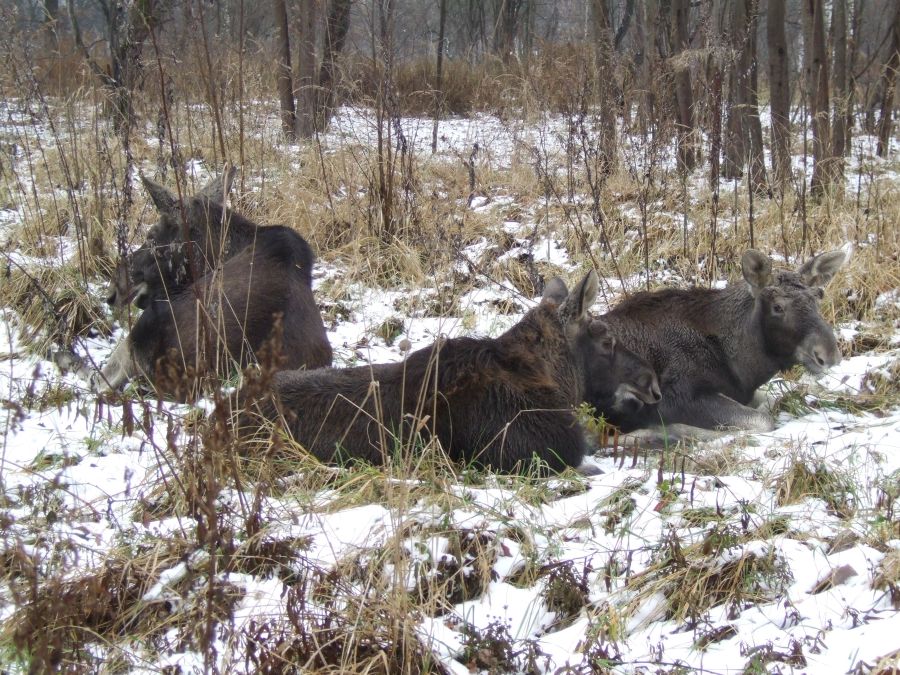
{"points": [[808, 477], [695, 578], [69, 184]]}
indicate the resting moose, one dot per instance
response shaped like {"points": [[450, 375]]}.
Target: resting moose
{"points": [[712, 348], [192, 237], [194, 326], [491, 402]]}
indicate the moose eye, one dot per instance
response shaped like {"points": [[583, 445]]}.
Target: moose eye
{"points": [[820, 292], [608, 344], [777, 308]]}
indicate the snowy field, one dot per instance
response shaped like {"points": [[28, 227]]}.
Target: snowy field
{"points": [[774, 552]]}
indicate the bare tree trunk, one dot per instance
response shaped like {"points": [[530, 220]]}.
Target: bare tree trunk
{"points": [[605, 74], [50, 26], [839, 85], [684, 98], [474, 28], [744, 132], [888, 86], [306, 69], [626, 23], [385, 111], [714, 77], [439, 75], [758, 180], [128, 28], [735, 134], [645, 39], [336, 27], [506, 27], [818, 95], [852, 59], [283, 75], [780, 95]]}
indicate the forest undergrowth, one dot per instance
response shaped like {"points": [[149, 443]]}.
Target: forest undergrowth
{"points": [[137, 535]]}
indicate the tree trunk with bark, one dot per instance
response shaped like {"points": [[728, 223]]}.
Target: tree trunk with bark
{"points": [[852, 59], [684, 99], [839, 86], [128, 29], [439, 74], [604, 69], [506, 27], [50, 25], [283, 75], [817, 80], [306, 69], [336, 27], [743, 129], [779, 94], [888, 87], [758, 180]]}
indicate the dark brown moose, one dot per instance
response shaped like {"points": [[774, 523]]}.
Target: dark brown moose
{"points": [[712, 348], [192, 237], [254, 290], [505, 403]]}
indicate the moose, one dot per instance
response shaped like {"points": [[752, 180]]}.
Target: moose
{"points": [[192, 237], [222, 295], [505, 402], [712, 348]]}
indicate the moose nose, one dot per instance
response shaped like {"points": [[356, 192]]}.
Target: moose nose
{"points": [[818, 356], [826, 356]]}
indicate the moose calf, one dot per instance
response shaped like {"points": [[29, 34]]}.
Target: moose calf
{"points": [[257, 299], [712, 348], [504, 403]]}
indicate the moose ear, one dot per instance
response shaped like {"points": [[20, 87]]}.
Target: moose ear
{"points": [[818, 271], [580, 299], [555, 291], [163, 199], [218, 188], [757, 270]]}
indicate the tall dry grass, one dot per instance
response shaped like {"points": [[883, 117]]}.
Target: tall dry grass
{"points": [[68, 178]]}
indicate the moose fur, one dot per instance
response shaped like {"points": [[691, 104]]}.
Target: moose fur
{"points": [[501, 403], [261, 296], [712, 348], [192, 237]]}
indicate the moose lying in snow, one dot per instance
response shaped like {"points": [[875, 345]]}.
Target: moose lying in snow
{"points": [[192, 237], [713, 348], [260, 294], [500, 402]]}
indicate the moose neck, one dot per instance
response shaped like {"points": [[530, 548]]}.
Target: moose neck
{"points": [[735, 315], [540, 344], [226, 231]]}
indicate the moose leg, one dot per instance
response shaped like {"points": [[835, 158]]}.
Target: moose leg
{"points": [[716, 411], [119, 368]]}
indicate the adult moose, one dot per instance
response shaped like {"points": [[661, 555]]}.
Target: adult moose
{"points": [[712, 348], [503, 403], [192, 236], [216, 298]]}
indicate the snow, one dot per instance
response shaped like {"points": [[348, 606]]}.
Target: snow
{"points": [[91, 475]]}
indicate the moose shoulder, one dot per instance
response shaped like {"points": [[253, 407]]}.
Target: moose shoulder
{"points": [[497, 402], [712, 348]]}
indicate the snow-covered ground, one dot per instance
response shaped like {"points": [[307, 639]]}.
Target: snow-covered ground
{"points": [[714, 564]]}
